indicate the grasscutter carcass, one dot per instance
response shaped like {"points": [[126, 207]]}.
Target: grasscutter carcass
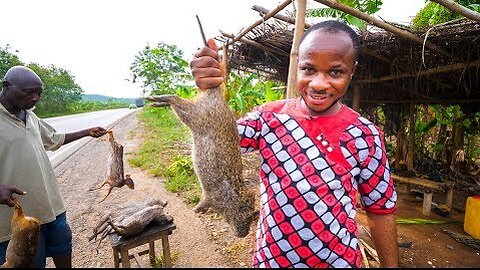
{"points": [[23, 245], [216, 156], [115, 171], [131, 218]]}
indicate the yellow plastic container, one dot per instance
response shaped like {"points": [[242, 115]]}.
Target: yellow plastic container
{"points": [[471, 224]]}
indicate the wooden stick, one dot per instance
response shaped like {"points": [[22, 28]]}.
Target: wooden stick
{"points": [[297, 35], [386, 26], [370, 250], [430, 71], [366, 264], [258, 22], [278, 16], [256, 44], [468, 13], [201, 31]]}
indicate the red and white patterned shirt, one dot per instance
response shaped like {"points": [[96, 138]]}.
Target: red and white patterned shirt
{"points": [[312, 169]]}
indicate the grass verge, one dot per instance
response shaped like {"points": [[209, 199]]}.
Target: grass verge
{"points": [[165, 152]]}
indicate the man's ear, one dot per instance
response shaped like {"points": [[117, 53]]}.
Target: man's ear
{"points": [[5, 84], [354, 67]]}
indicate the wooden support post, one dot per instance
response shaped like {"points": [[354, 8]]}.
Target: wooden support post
{"points": [[411, 138], [166, 252], [151, 251], [427, 202], [356, 98], [125, 259], [226, 93], [449, 197], [297, 35], [116, 259]]}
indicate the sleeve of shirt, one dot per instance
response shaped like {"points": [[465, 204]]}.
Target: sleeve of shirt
{"points": [[249, 129], [376, 187], [50, 138]]}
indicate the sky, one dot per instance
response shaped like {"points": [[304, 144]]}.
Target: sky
{"points": [[97, 40]]}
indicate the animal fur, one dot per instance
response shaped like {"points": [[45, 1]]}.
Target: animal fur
{"points": [[22, 248], [115, 177], [216, 156], [131, 219]]}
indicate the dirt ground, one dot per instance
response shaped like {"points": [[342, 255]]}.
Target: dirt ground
{"points": [[204, 240]]}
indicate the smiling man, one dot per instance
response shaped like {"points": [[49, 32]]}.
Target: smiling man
{"points": [[317, 155]]}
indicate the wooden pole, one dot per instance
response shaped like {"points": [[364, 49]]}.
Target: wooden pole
{"points": [[278, 16], [356, 98], [226, 93], [386, 26], [297, 35], [258, 22], [430, 71], [256, 44], [411, 138], [468, 13]]}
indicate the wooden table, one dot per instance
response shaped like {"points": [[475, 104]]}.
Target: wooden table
{"points": [[121, 245]]}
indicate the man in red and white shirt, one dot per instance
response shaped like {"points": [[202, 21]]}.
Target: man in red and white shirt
{"points": [[317, 155]]}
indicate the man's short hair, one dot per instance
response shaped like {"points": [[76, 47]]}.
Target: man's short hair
{"points": [[332, 26]]}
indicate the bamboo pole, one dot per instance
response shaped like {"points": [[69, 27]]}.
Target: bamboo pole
{"points": [[468, 13], [430, 71], [256, 44], [258, 22], [278, 16], [386, 26], [226, 93], [297, 35]]}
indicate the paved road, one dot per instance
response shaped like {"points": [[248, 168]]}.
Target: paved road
{"points": [[71, 123]]}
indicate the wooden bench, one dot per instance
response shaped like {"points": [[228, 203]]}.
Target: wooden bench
{"points": [[121, 245], [428, 188]]}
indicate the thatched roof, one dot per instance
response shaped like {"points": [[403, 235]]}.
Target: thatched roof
{"points": [[391, 69]]}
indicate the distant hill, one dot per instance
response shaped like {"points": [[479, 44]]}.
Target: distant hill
{"points": [[102, 98]]}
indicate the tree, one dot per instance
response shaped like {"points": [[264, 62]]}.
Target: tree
{"points": [[161, 70], [365, 6], [7, 60], [59, 89], [434, 13]]}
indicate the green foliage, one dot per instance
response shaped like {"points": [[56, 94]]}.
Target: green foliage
{"points": [[434, 13], [248, 91], [160, 69], [366, 6], [7, 60], [159, 153], [59, 89], [186, 91]]}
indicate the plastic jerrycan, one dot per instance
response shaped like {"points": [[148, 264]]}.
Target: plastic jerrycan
{"points": [[471, 223]]}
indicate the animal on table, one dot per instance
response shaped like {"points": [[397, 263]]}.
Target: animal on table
{"points": [[216, 155], [115, 175], [130, 219], [22, 248]]}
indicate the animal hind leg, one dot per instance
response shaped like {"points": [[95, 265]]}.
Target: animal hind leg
{"points": [[203, 205], [108, 193], [99, 187]]}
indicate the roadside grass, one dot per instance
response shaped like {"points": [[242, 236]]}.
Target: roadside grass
{"points": [[165, 152]]}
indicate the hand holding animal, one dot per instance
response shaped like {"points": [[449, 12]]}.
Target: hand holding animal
{"points": [[22, 248]]}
